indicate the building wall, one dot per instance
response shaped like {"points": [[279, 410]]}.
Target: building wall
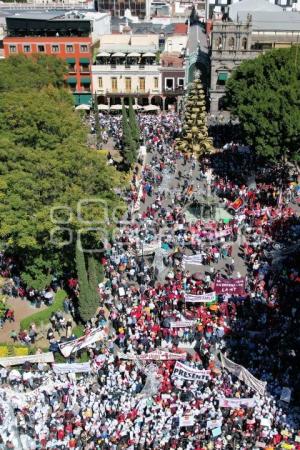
{"points": [[177, 77], [118, 7], [175, 43], [57, 46], [151, 76], [232, 44], [101, 26]]}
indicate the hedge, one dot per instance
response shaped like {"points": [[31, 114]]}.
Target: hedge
{"points": [[44, 316]]}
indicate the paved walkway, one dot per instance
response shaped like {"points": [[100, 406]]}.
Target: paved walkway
{"points": [[22, 309]]}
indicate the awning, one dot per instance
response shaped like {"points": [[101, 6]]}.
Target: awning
{"points": [[149, 54], [103, 54], [71, 80], [134, 55], [85, 80], [71, 60], [118, 55], [82, 99], [84, 60], [223, 76], [137, 107]]}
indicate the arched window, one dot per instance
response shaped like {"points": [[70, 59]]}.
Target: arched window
{"points": [[244, 43], [231, 43], [219, 43]]}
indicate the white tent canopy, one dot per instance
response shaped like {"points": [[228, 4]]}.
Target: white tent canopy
{"points": [[116, 107], [103, 54], [118, 54], [149, 54], [151, 108], [102, 107], [137, 107], [134, 55], [83, 107]]}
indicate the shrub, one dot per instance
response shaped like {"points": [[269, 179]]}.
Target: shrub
{"points": [[44, 316]]}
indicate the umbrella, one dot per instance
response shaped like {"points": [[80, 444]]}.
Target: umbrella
{"points": [[116, 107], [83, 107], [151, 108], [103, 107], [197, 276], [48, 295]]}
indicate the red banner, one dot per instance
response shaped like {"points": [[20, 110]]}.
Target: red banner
{"points": [[233, 286]]}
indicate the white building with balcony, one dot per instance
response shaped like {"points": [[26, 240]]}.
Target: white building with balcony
{"points": [[127, 66]]}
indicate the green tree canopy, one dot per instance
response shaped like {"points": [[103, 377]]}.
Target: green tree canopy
{"points": [[264, 93], [20, 73], [46, 172]]}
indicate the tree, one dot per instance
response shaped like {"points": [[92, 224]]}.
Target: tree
{"points": [[97, 123], [87, 304], [129, 145], [264, 94], [133, 124], [46, 170], [20, 73], [93, 281]]}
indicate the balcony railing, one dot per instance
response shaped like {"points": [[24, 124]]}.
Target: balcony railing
{"points": [[124, 92], [173, 91]]}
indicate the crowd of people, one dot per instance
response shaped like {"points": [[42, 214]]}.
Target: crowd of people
{"points": [[132, 397]]}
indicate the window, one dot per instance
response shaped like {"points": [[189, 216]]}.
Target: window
{"points": [[69, 48], [155, 82], [142, 84], [231, 43], [84, 48], [55, 48], [41, 48], [12, 49], [27, 48], [114, 84], [244, 44], [169, 84], [219, 43], [128, 84], [180, 82], [100, 82]]}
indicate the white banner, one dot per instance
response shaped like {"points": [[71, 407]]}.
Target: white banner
{"points": [[210, 424], [186, 420], [244, 375], [72, 368], [203, 298], [95, 335], [183, 324], [147, 249], [157, 355], [193, 259], [38, 358], [189, 373], [237, 403]]}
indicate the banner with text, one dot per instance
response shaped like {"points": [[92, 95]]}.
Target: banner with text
{"points": [[203, 298], [189, 373], [16, 360], [157, 355], [236, 403], [233, 286], [183, 324], [72, 368], [95, 335]]}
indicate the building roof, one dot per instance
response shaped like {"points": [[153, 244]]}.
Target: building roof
{"points": [[272, 20], [129, 43], [251, 6], [53, 15], [173, 59]]}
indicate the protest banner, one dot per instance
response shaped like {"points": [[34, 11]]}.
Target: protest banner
{"points": [[222, 233], [186, 420], [193, 259], [236, 403], [72, 368], [244, 375], [216, 432], [183, 324], [95, 335], [265, 423], [16, 360], [203, 298], [189, 373], [210, 424], [233, 286], [157, 355]]}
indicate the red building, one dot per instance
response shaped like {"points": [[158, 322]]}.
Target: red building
{"points": [[67, 39]]}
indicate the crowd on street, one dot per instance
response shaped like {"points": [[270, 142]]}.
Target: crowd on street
{"points": [[158, 380]]}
